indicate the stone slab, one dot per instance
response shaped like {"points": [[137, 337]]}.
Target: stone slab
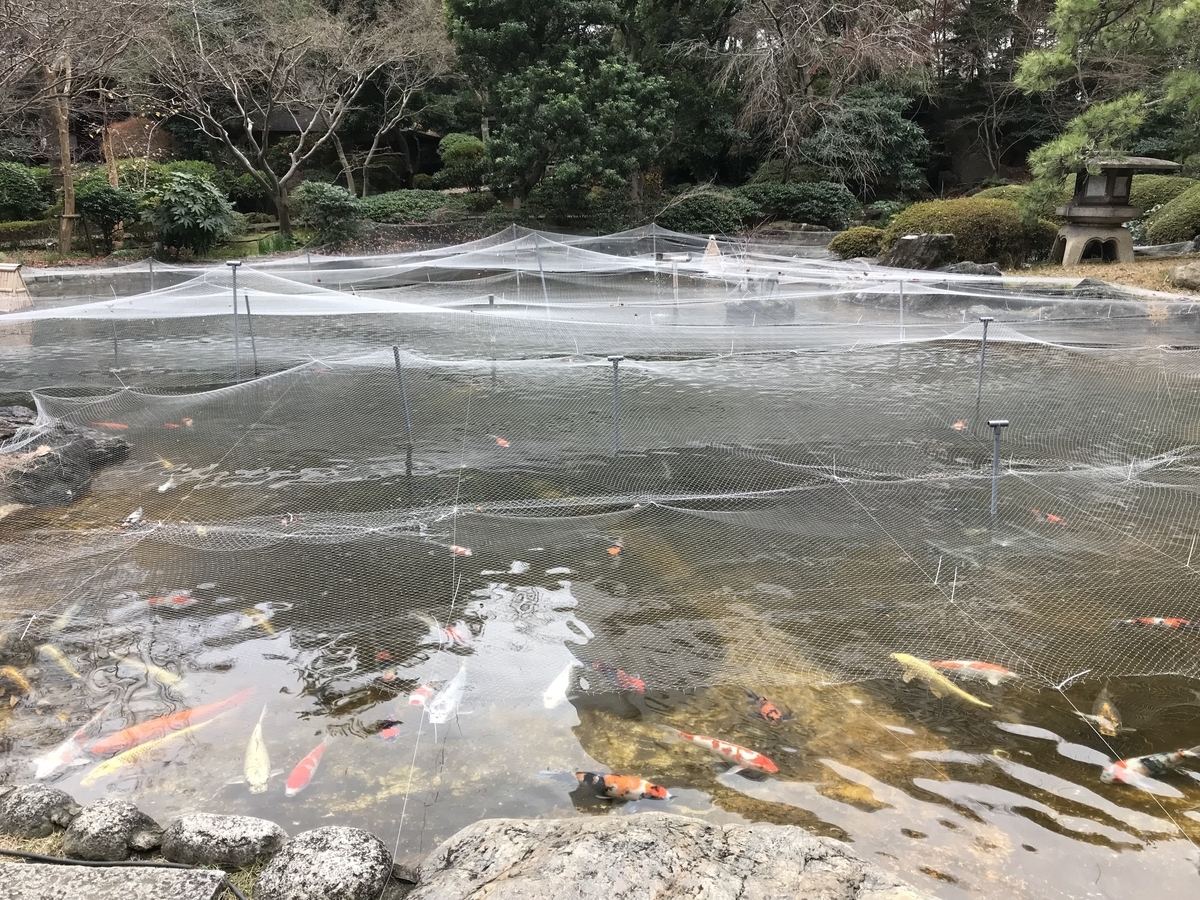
{"points": [[44, 881]]}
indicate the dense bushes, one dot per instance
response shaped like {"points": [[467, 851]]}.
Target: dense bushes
{"points": [[20, 195], [464, 161], [1178, 220], [709, 212], [819, 202], [1149, 191], [331, 211], [1013, 192], [13, 233], [403, 207], [985, 230], [861, 241], [190, 213], [105, 207]]}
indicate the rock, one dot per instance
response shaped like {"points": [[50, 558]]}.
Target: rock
{"points": [[984, 270], [647, 856], [231, 842], [921, 251], [40, 881], [18, 415], [55, 468], [33, 810], [759, 311], [346, 863], [1186, 276], [108, 829]]}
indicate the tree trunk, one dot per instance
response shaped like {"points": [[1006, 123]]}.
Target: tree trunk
{"points": [[341, 155], [60, 87], [281, 210]]}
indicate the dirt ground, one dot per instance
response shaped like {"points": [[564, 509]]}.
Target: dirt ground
{"points": [[1145, 272]]}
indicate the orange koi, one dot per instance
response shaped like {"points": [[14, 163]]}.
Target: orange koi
{"points": [[460, 551], [383, 656], [186, 421], [959, 425], [616, 548], [1159, 622], [170, 425], [422, 695], [164, 725], [390, 730], [742, 757], [1049, 517], [766, 709], [499, 440], [622, 787], [623, 680], [114, 425], [976, 670], [303, 774], [182, 600]]}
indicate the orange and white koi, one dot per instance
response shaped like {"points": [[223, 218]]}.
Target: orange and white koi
{"points": [[1152, 765], [422, 695], [622, 787], [156, 728], [186, 421], [390, 730], [460, 551], [457, 635], [1159, 622], [959, 425], [743, 757], [1048, 517], [501, 442], [70, 752], [181, 600], [622, 679], [303, 774], [976, 670], [765, 709]]}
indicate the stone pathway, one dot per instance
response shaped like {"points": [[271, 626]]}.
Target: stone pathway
{"points": [[39, 881]]}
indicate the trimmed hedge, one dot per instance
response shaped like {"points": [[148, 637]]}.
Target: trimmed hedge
{"points": [[1149, 191], [404, 207], [710, 212], [329, 209], [12, 234], [1178, 220], [984, 230], [1013, 192], [819, 202], [861, 241]]}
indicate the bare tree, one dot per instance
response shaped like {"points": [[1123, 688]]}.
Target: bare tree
{"points": [[245, 70], [52, 54], [795, 59]]}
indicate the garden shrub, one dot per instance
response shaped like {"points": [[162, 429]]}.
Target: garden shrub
{"points": [[190, 213], [772, 171], [883, 211], [137, 175], [709, 212], [245, 192], [422, 182], [819, 202], [1178, 220], [1013, 192], [984, 230], [105, 207], [12, 234], [1149, 191], [45, 182], [20, 195], [258, 218], [193, 167], [861, 241], [479, 201], [464, 161], [332, 212], [403, 207]]}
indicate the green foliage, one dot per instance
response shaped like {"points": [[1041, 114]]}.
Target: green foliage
{"points": [[45, 182], [1149, 191], [883, 211], [20, 195], [984, 230], [136, 175], [190, 213], [332, 212], [708, 212], [464, 161], [198, 167], [105, 207], [1178, 220], [777, 171], [569, 194], [245, 191], [403, 207], [12, 234], [863, 240], [818, 203], [1013, 192], [276, 242], [478, 201], [423, 182]]}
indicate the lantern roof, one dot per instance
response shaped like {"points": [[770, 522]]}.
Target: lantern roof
{"points": [[1120, 161]]}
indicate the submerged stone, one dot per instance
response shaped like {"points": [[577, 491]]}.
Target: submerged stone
{"points": [[33, 810], [108, 829], [227, 841], [347, 863]]}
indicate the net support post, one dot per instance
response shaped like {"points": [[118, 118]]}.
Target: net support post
{"points": [[253, 345], [403, 398], [996, 425], [616, 363], [152, 274], [902, 312], [986, 320], [237, 351]]}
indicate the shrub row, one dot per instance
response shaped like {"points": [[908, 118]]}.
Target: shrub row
{"points": [[402, 207], [723, 212], [985, 230]]}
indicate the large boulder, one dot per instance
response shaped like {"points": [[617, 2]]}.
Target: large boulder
{"points": [[229, 842], [34, 810], [921, 251], [53, 465], [1186, 276], [647, 856], [982, 270], [346, 863], [108, 829]]}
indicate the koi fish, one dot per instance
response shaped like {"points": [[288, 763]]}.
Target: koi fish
{"points": [[765, 709], [182, 600], [742, 757], [1150, 766], [138, 753], [114, 425], [460, 551], [959, 425], [167, 485], [556, 693], [616, 548], [458, 635], [59, 657], [499, 440], [259, 618], [623, 680], [170, 425], [158, 673], [422, 695], [134, 518], [1048, 517], [9, 673], [938, 684], [70, 752], [303, 774], [383, 656], [136, 735], [256, 766], [390, 731], [975, 670], [1159, 622], [622, 787], [1105, 715], [186, 421], [65, 619], [443, 707]]}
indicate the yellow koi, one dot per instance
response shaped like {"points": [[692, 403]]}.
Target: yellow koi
{"points": [[938, 684], [136, 754], [257, 765], [158, 673], [257, 618], [59, 657], [12, 675]]}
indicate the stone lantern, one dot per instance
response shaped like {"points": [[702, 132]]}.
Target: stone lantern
{"points": [[1093, 231]]}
